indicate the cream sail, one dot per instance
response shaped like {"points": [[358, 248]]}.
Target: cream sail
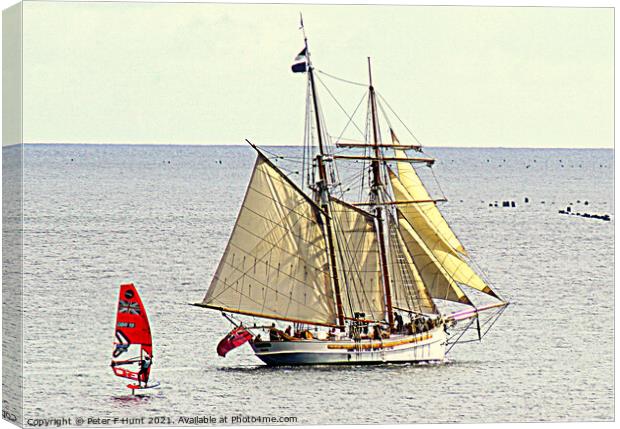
{"points": [[359, 269], [425, 215], [366, 280], [275, 263], [410, 291], [436, 234]]}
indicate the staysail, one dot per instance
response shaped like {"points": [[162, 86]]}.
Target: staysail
{"points": [[433, 239], [428, 220], [133, 343], [437, 280], [275, 264], [409, 292]]}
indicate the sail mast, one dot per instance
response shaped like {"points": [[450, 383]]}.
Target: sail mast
{"points": [[324, 191], [376, 197]]}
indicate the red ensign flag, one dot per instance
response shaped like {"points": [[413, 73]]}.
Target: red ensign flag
{"points": [[234, 339]]}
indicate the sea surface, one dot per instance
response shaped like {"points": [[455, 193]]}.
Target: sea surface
{"points": [[96, 216]]}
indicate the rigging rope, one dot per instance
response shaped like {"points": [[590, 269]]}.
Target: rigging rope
{"points": [[341, 79], [343, 109], [398, 117], [443, 195]]}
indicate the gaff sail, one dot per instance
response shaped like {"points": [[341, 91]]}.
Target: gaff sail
{"points": [[359, 268], [132, 335], [275, 265]]}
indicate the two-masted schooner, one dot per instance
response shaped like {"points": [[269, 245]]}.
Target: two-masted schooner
{"points": [[353, 282]]}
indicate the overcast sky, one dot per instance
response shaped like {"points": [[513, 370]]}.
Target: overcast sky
{"points": [[217, 74]]}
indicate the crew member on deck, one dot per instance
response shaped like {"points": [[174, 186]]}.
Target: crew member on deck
{"points": [[274, 335], [399, 322], [376, 332]]}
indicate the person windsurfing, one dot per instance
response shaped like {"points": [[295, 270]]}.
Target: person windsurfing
{"points": [[143, 374]]}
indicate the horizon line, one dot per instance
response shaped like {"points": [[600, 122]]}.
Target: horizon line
{"points": [[291, 145]]}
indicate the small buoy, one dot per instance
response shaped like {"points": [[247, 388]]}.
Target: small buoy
{"points": [[578, 201], [71, 159], [168, 162], [490, 204], [585, 203], [526, 199], [512, 204]]}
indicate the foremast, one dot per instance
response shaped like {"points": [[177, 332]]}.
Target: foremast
{"points": [[322, 188]]}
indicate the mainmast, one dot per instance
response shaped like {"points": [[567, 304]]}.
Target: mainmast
{"points": [[375, 193], [323, 190]]}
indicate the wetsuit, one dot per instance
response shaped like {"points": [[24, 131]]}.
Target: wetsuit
{"points": [[145, 364]]}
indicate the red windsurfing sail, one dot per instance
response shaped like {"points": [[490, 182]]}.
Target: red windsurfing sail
{"points": [[133, 348], [234, 339]]}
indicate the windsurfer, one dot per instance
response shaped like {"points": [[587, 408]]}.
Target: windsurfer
{"points": [[143, 374]]}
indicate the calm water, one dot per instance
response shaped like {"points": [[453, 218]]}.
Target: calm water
{"points": [[123, 213]]}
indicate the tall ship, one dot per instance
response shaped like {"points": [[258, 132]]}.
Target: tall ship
{"points": [[362, 269]]}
